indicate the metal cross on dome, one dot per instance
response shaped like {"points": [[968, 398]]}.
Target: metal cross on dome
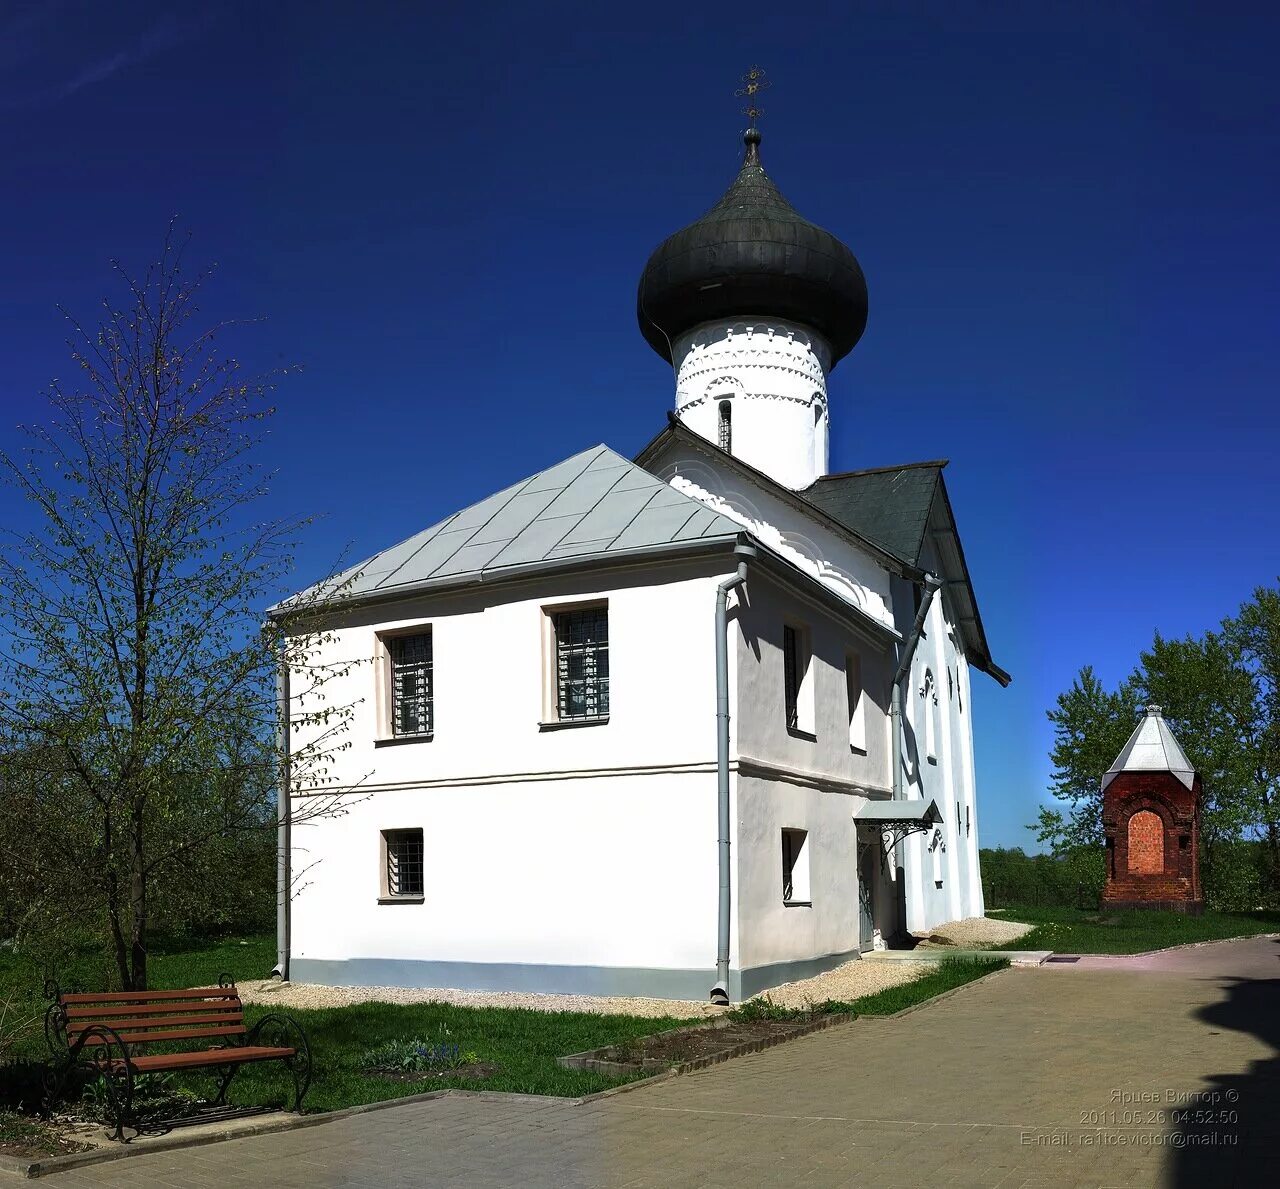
{"points": [[753, 82]]}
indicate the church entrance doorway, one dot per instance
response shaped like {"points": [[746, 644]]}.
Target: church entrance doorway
{"points": [[868, 873]]}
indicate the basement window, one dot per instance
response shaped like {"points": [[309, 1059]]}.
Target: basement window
{"points": [[402, 866], [795, 867]]}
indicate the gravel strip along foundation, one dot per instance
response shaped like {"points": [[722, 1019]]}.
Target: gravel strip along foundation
{"points": [[976, 932], [849, 981]]}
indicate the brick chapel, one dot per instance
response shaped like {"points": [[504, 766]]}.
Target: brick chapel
{"points": [[1151, 818]]}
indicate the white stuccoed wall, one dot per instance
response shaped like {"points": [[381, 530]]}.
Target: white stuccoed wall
{"points": [[774, 374], [839, 565], [856, 577], [580, 848], [947, 781], [816, 784]]}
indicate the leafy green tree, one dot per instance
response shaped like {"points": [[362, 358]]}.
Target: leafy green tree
{"points": [[1220, 693], [1091, 725], [139, 713]]}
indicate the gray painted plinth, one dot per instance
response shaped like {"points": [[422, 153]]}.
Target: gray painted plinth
{"points": [[625, 981]]}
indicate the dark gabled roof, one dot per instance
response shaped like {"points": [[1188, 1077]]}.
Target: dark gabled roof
{"points": [[888, 504], [894, 507], [594, 506]]}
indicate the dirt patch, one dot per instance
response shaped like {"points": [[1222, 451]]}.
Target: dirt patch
{"points": [[26, 1137], [470, 1072], [694, 1047]]}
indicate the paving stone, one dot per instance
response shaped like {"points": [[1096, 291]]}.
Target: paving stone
{"points": [[993, 1086]]}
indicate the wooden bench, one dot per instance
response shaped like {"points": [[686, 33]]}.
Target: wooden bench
{"points": [[108, 1029]]}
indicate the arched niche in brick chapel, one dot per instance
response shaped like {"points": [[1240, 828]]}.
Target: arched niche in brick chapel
{"points": [[1151, 819], [1146, 843]]}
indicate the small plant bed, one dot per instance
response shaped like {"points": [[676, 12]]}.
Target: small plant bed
{"points": [[692, 1048], [1131, 931], [760, 1023], [417, 1061], [25, 1137]]}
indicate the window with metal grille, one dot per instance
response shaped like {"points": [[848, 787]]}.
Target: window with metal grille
{"points": [[582, 663], [404, 862], [411, 684], [726, 426]]}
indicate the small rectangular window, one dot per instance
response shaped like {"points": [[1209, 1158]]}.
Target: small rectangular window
{"points": [[582, 663], [402, 869], [857, 703], [797, 678], [795, 866], [411, 684], [966, 821]]}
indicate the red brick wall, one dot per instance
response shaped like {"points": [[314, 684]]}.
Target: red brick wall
{"points": [[1146, 816], [1146, 843]]}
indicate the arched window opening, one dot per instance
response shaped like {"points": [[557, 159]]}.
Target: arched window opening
{"points": [[725, 437], [929, 695], [1146, 843]]}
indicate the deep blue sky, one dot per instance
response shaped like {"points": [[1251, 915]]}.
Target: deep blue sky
{"points": [[1066, 214]]}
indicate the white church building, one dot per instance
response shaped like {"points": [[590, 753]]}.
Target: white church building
{"points": [[693, 723]]}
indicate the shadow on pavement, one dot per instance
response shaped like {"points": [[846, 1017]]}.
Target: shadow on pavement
{"points": [[1228, 1134]]}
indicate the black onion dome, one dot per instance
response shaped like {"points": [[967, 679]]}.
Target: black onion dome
{"points": [[752, 253]]}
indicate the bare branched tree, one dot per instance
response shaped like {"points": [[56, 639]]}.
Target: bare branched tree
{"points": [[139, 711]]}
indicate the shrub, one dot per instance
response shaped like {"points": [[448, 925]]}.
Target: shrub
{"points": [[418, 1056]]}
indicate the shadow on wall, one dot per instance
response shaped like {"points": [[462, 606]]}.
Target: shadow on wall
{"points": [[1227, 1136]]}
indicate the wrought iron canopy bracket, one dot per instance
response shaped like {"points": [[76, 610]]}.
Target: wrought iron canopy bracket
{"points": [[894, 832]]}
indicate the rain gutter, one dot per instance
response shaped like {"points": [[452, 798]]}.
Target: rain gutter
{"points": [[720, 992]]}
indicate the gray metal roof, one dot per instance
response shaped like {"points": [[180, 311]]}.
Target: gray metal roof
{"points": [[595, 504], [1152, 748], [895, 812]]}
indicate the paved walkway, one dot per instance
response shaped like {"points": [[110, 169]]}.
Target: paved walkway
{"points": [[1055, 1076]]}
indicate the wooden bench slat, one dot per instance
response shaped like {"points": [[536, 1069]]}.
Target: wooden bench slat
{"points": [[227, 1056], [75, 1027], [110, 1011], [143, 996], [137, 1038]]}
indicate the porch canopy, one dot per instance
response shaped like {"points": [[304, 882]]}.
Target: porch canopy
{"points": [[897, 819]]}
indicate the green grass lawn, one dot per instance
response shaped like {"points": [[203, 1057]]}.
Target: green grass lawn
{"points": [[521, 1045], [1131, 931], [946, 976], [949, 973]]}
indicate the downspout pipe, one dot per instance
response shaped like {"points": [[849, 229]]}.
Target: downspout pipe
{"points": [[284, 873], [720, 992], [931, 587]]}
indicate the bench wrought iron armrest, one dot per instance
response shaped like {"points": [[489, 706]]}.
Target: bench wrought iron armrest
{"points": [[276, 1030], [55, 1020], [104, 1038], [112, 1059]]}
